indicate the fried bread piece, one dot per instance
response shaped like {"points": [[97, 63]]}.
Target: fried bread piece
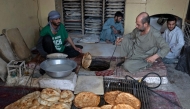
{"points": [[109, 97], [127, 98], [106, 107]]}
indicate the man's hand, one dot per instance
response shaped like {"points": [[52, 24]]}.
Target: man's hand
{"points": [[118, 40], [171, 50], [73, 45], [152, 59], [78, 49], [115, 31]]}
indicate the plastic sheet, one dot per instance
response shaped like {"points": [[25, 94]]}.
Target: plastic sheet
{"points": [[184, 61], [157, 102]]}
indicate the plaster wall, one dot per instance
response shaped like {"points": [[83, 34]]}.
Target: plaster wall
{"points": [[45, 6], [26, 15], [30, 15], [134, 7], [21, 14]]}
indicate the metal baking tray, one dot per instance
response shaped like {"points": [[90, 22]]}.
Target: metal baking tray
{"points": [[138, 90]]}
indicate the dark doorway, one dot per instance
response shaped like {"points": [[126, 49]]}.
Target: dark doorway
{"points": [[188, 14], [158, 21]]}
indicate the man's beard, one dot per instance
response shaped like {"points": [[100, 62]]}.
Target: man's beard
{"points": [[172, 29], [117, 21], [142, 29], [56, 24]]}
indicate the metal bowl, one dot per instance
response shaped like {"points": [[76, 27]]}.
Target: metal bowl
{"points": [[58, 68]]}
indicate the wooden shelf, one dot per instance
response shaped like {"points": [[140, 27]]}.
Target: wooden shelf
{"points": [[89, 15]]}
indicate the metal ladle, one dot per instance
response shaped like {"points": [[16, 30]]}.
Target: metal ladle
{"points": [[112, 54]]}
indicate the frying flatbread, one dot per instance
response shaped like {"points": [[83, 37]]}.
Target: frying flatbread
{"points": [[109, 97], [122, 106], [106, 107], [86, 99], [86, 60], [127, 98], [66, 96]]}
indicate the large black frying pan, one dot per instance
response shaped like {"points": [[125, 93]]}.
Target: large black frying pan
{"points": [[99, 65]]}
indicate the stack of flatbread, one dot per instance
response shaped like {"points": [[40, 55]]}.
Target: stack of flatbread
{"points": [[26, 102], [46, 99]]}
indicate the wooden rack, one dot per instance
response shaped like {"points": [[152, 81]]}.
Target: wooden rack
{"points": [[88, 16]]}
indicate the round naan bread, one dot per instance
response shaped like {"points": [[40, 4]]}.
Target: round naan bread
{"points": [[60, 105], [86, 99], [45, 102], [50, 94], [66, 96]]}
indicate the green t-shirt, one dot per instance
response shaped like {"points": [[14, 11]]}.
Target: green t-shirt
{"points": [[58, 38]]}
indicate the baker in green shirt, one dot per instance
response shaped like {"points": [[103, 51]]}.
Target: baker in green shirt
{"points": [[142, 46], [53, 37]]}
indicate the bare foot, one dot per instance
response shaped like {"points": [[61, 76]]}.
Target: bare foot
{"points": [[107, 41]]}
